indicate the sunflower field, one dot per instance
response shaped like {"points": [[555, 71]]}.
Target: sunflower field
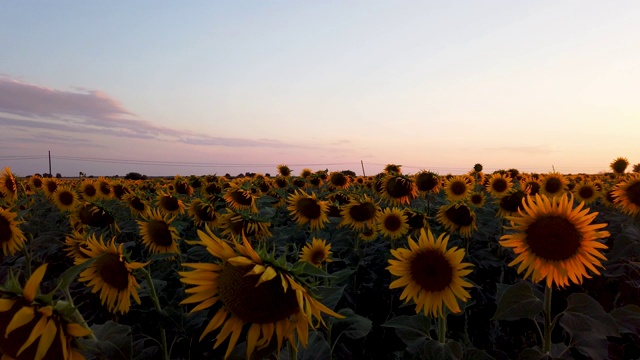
{"points": [[324, 265]]}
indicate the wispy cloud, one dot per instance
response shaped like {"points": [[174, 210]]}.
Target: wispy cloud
{"points": [[92, 112]]}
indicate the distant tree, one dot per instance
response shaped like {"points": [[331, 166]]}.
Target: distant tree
{"points": [[348, 173], [58, 175], [46, 175], [81, 174], [636, 168], [133, 176]]}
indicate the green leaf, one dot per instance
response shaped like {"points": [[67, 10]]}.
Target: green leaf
{"points": [[584, 314], [627, 318], [531, 354], [353, 325], [476, 354], [329, 296], [432, 349], [162, 256], [113, 341], [306, 268], [72, 273], [517, 302], [410, 329], [317, 349]]}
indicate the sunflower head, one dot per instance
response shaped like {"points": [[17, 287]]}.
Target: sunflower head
{"points": [[586, 191], [360, 213], [511, 203], [339, 180], [431, 274], [457, 188], [457, 217], [499, 185], [555, 242], [427, 181], [317, 252], [393, 169], [157, 233], [619, 165], [554, 184], [11, 237], [65, 198], [169, 204], [253, 291], [9, 185], [626, 194], [399, 189], [203, 213], [306, 208], [284, 170], [392, 223], [37, 328], [237, 224]]}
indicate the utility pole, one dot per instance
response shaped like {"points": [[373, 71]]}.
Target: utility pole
{"points": [[50, 163], [361, 163]]}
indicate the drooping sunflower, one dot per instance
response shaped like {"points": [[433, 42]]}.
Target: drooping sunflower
{"points": [[431, 274], [169, 204], [182, 186], [392, 169], [252, 291], [427, 181], [555, 242], [119, 190], [399, 189], [457, 217], [136, 203], [553, 184], [305, 173], [157, 233], [284, 170], [499, 185], [11, 237], [316, 252], [417, 220], [392, 223], [9, 185], [111, 274], [626, 195], [88, 190], [586, 191], [305, 208], [359, 213], [619, 165], [368, 234], [238, 198], [73, 245], [93, 215], [457, 188], [235, 224], [65, 198], [203, 213], [37, 329], [509, 204]]}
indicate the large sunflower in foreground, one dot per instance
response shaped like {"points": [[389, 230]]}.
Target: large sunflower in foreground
{"points": [[306, 208], [431, 274], [555, 242], [626, 194], [316, 252], [111, 274], [34, 329], [252, 291], [11, 237], [157, 233]]}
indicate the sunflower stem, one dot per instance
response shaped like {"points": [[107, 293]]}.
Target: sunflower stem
{"points": [[77, 316], [156, 302], [442, 329], [546, 344]]}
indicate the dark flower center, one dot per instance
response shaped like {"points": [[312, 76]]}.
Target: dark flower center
{"points": [[512, 202], [309, 208], [66, 198], [633, 193], [398, 187], [170, 203], [392, 223], [113, 271], [553, 185], [241, 197], [586, 192], [90, 190], [159, 233], [426, 181], [459, 215], [458, 187], [362, 212], [137, 204], [553, 238], [262, 304], [431, 270], [338, 179], [5, 230], [204, 212], [499, 185]]}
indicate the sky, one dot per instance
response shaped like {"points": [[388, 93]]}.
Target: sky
{"points": [[212, 87]]}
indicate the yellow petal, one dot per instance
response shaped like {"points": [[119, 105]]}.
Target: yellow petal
{"points": [[33, 284], [22, 317], [46, 339]]}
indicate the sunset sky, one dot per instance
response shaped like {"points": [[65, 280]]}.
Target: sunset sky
{"points": [[204, 87]]}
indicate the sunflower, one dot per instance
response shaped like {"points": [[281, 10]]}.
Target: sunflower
{"points": [[338, 180], [392, 169], [305, 173], [88, 190], [360, 213], [457, 217], [431, 274], [111, 274], [427, 181], [203, 213], [253, 292], [626, 194], [9, 185], [368, 234], [586, 191], [306, 208], [234, 225], [119, 190], [49, 185], [553, 184], [477, 199], [238, 198], [284, 170], [555, 242], [457, 188], [416, 220], [392, 223], [73, 245], [65, 198], [499, 185], [136, 203], [36, 182], [509, 204], [316, 252], [93, 215], [11, 237], [619, 165], [531, 185], [281, 182], [182, 186], [314, 180], [169, 204], [37, 329], [103, 186], [399, 189], [157, 233]]}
